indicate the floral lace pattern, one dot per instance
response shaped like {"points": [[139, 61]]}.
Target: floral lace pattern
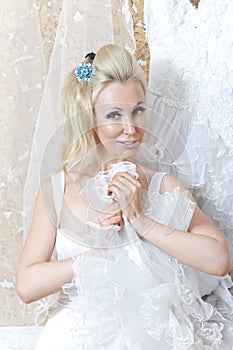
{"points": [[192, 75], [193, 50]]}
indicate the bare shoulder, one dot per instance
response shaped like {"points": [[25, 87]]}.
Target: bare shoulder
{"points": [[71, 177], [72, 180], [170, 182], [145, 175]]}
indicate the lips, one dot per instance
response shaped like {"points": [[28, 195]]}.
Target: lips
{"points": [[128, 144]]}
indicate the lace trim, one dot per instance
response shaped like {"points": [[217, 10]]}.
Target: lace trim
{"points": [[169, 314]]}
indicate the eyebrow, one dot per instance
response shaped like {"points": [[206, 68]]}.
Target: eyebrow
{"points": [[120, 109]]}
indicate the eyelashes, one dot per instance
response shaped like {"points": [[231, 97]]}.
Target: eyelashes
{"points": [[117, 115], [139, 110], [113, 115]]}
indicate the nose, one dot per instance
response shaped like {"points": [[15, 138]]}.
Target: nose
{"points": [[129, 129]]}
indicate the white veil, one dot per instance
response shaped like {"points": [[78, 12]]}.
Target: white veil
{"points": [[83, 27]]}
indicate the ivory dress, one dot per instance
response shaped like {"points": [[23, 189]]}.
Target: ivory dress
{"points": [[128, 294]]}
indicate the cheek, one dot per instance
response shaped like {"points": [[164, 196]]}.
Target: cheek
{"points": [[142, 132], [107, 132], [141, 127]]}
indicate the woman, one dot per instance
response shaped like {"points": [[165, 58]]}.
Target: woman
{"points": [[136, 256]]}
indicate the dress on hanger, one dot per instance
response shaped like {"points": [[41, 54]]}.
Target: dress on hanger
{"points": [[128, 294]]}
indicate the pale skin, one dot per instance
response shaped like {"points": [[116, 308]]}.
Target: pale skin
{"points": [[119, 123]]}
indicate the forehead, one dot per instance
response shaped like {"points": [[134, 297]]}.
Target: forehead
{"points": [[129, 92]]}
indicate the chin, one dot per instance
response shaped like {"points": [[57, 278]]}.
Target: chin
{"points": [[116, 152], [129, 154]]}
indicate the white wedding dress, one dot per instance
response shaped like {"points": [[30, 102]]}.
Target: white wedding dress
{"points": [[128, 294]]}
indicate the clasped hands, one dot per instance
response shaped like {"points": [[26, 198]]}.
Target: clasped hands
{"points": [[128, 192]]}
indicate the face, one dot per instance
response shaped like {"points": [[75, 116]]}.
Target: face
{"points": [[120, 118]]}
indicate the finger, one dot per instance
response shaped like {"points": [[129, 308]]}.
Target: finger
{"points": [[121, 185], [127, 176], [125, 181], [114, 189], [116, 220], [107, 216]]}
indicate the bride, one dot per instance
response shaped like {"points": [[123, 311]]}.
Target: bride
{"points": [[137, 265]]}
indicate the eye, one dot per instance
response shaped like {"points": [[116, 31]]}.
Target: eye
{"points": [[113, 115], [139, 110]]}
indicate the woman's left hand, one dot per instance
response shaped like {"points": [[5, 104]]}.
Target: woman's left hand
{"points": [[111, 215], [128, 192]]}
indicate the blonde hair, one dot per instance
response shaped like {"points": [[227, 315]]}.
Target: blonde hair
{"points": [[111, 63]]}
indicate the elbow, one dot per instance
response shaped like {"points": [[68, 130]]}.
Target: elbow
{"points": [[223, 263], [23, 292], [25, 298], [24, 295], [224, 267], [222, 272]]}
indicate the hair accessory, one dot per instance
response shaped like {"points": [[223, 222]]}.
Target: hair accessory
{"points": [[84, 72], [90, 55]]}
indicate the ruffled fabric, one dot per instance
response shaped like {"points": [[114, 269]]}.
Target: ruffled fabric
{"points": [[134, 296], [151, 302], [201, 161], [192, 99]]}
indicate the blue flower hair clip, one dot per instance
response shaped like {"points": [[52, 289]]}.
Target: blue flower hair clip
{"points": [[84, 72]]}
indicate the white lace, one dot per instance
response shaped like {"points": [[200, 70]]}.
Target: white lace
{"points": [[192, 75], [192, 59]]}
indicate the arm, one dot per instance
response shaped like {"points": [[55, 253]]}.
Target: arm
{"points": [[202, 247], [37, 276]]}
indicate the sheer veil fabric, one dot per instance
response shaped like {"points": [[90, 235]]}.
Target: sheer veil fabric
{"points": [[84, 26]]}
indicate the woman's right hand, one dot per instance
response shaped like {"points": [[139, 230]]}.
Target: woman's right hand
{"points": [[111, 215]]}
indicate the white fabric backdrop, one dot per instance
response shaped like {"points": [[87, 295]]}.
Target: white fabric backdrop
{"points": [[191, 74]]}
